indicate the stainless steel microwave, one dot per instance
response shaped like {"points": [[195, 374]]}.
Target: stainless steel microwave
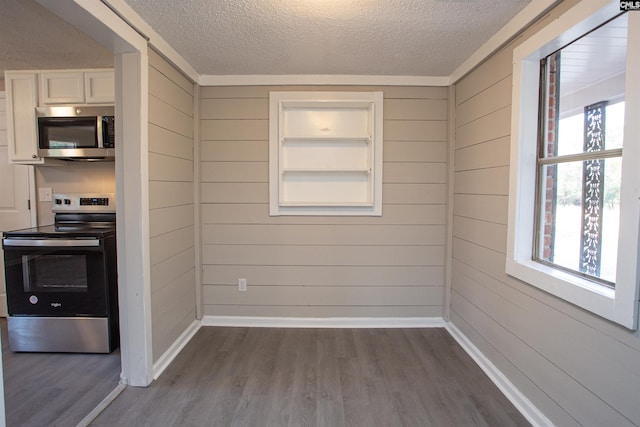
{"points": [[76, 133]]}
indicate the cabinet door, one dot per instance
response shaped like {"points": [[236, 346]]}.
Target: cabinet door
{"points": [[22, 99], [99, 87], [61, 87]]}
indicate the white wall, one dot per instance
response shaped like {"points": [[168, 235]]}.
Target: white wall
{"points": [[73, 177], [577, 368], [389, 266]]}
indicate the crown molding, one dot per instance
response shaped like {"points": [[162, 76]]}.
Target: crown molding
{"points": [[321, 79]]}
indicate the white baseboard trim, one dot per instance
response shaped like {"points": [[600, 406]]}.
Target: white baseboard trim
{"points": [[165, 360], [324, 322], [519, 400]]}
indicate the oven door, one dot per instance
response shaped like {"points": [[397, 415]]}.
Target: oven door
{"points": [[56, 277]]}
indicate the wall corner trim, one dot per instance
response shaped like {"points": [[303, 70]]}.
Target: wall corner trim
{"points": [[515, 396], [172, 352], [325, 322]]}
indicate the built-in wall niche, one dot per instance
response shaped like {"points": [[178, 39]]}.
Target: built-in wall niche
{"points": [[325, 153]]}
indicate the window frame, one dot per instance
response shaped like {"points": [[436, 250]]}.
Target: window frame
{"points": [[619, 305], [544, 161]]}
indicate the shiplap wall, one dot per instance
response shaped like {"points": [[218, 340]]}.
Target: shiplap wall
{"points": [[575, 367], [389, 266], [171, 203]]}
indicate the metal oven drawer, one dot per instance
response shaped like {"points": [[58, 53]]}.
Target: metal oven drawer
{"points": [[60, 334]]}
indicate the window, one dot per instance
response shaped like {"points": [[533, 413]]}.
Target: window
{"points": [[580, 157], [574, 180], [325, 153]]}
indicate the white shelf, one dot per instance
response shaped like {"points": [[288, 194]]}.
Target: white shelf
{"points": [[321, 171], [327, 204], [341, 140]]}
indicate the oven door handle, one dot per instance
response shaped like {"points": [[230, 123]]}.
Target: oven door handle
{"points": [[65, 243]]}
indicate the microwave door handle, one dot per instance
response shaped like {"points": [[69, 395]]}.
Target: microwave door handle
{"points": [[99, 132]]}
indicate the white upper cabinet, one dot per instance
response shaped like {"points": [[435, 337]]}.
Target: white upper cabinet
{"points": [[27, 90], [76, 87], [99, 87], [22, 100], [61, 87]]}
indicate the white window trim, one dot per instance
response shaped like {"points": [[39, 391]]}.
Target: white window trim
{"points": [[619, 305]]}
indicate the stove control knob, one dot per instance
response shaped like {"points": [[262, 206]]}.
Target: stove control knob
{"points": [[33, 299], [67, 201], [58, 201]]}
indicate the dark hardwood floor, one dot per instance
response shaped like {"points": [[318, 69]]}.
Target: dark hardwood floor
{"points": [[317, 377], [54, 389]]}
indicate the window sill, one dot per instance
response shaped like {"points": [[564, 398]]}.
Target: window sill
{"points": [[584, 293]]}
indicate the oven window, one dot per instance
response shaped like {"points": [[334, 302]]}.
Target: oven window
{"points": [[55, 273]]}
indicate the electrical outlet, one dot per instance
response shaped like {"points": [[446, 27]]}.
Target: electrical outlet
{"points": [[45, 194], [242, 285]]}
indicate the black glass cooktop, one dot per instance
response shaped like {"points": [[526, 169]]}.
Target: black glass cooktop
{"points": [[53, 231], [71, 226]]}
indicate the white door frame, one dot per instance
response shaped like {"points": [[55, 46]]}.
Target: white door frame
{"points": [[131, 76]]}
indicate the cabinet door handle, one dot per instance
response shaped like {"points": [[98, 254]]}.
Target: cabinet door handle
{"points": [[33, 156]]}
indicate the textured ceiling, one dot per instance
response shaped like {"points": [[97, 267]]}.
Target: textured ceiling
{"points": [[31, 37], [353, 37], [274, 37]]}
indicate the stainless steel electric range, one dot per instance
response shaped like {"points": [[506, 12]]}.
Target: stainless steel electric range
{"points": [[62, 291]]}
